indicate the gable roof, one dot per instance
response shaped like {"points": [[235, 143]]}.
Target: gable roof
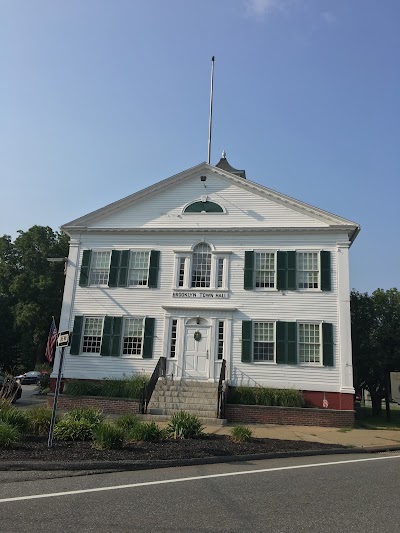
{"points": [[333, 221]]}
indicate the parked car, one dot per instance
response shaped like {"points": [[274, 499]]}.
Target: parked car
{"points": [[10, 388], [29, 378]]}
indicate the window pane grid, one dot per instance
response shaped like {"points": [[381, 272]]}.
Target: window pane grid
{"points": [[309, 343], [264, 343], [181, 276], [133, 336], [172, 351], [139, 268], [264, 270], [201, 267], [99, 268], [308, 270], [220, 273], [220, 339], [92, 334]]}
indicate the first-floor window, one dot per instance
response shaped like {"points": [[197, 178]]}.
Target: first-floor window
{"points": [[174, 325], [99, 268], [133, 336], [220, 354], [92, 334], [264, 344], [139, 269], [309, 343]]}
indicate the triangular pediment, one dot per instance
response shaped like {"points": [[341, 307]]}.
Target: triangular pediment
{"points": [[244, 204]]}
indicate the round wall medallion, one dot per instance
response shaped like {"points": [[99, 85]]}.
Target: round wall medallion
{"points": [[197, 336]]}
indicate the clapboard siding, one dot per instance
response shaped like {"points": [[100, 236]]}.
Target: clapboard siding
{"points": [[265, 305], [243, 208]]}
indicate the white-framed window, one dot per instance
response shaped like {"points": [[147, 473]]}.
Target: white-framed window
{"points": [[308, 270], [132, 337], [138, 274], [201, 268], [309, 343], [264, 270], [221, 338], [173, 339], [92, 334], [264, 342], [99, 268]]}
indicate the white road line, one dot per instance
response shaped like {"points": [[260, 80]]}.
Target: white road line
{"points": [[195, 478]]}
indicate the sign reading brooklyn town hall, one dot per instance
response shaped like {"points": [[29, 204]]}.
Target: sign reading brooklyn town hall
{"points": [[216, 295]]}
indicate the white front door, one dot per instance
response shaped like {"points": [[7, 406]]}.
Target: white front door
{"points": [[197, 352]]}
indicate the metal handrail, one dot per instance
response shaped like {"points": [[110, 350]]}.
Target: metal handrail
{"points": [[158, 372], [221, 392]]}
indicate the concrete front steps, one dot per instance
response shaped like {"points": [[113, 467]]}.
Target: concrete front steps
{"points": [[198, 398]]}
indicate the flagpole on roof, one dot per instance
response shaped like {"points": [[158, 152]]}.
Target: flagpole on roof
{"points": [[211, 103]]}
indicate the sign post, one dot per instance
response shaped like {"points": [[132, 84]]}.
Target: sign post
{"points": [[63, 341]]}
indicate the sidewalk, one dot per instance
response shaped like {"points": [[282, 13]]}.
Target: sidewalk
{"points": [[358, 438]]}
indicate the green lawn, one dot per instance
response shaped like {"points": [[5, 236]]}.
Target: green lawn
{"points": [[366, 420]]}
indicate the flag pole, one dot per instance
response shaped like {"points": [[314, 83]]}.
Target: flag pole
{"points": [[211, 103]]}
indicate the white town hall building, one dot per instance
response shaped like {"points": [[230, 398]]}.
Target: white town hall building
{"points": [[207, 266]]}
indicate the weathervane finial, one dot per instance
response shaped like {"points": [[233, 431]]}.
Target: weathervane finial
{"points": [[223, 154]]}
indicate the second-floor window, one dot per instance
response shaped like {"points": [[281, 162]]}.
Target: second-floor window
{"points": [[201, 266], [99, 268], [138, 269], [264, 270]]}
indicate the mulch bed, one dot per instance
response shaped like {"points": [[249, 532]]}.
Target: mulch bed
{"points": [[35, 449]]}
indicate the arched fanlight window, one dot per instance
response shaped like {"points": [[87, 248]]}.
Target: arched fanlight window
{"points": [[203, 207], [201, 265]]}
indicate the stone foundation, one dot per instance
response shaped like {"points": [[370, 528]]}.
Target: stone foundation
{"points": [[111, 406]]}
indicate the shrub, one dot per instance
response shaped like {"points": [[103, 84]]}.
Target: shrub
{"points": [[15, 418], [108, 436], [266, 396], [9, 435], [44, 383], [68, 429], [112, 388], [5, 405], [184, 426], [39, 419], [127, 422], [241, 433], [145, 431], [89, 414], [82, 388]]}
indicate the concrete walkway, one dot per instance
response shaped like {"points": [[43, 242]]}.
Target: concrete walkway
{"points": [[359, 438]]}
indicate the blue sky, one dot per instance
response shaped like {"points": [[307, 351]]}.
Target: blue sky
{"points": [[103, 98]]}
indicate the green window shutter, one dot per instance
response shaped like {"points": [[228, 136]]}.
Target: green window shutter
{"points": [[327, 339], [281, 357], [153, 270], [291, 343], [76, 336], [247, 341], [249, 270], [286, 343], [325, 261], [85, 267], [114, 266], [116, 336], [148, 338], [107, 333], [281, 271], [291, 271], [123, 269]]}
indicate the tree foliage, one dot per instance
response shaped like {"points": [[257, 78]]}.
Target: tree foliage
{"points": [[375, 323], [30, 293]]}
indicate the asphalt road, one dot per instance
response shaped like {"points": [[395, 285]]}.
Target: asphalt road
{"points": [[357, 493]]}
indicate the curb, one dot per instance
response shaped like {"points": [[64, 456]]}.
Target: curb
{"points": [[168, 463]]}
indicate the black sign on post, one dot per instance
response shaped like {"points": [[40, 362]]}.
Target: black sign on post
{"points": [[64, 338]]}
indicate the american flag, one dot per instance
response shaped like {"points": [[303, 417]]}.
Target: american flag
{"points": [[51, 341]]}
